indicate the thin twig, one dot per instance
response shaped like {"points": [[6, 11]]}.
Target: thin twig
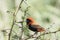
{"points": [[25, 12], [12, 26], [18, 8], [18, 25], [48, 33], [14, 20], [41, 35]]}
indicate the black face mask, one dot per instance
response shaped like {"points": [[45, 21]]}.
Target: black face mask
{"points": [[27, 21]]}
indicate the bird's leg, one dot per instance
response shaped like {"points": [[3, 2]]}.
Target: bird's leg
{"points": [[34, 34]]}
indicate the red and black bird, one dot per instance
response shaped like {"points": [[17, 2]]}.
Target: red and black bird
{"points": [[33, 26]]}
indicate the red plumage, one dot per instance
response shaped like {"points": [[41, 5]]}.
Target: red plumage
{"points": [[33, 26]]}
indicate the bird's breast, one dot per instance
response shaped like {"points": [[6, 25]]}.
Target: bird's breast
{"points": [[32, 28]]}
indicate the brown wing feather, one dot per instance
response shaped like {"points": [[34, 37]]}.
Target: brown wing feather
{"points": [[39, 28], [36, 26]]}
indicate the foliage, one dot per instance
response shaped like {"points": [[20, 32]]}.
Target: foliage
{"points": [[13, 14]]}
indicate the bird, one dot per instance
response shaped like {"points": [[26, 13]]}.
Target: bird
{"points": [[33, 25]]}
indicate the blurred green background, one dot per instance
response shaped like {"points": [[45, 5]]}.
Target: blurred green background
{"points": [[45, 12]]}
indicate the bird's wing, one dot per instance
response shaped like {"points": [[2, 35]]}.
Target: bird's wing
{"points": [[36, 26]]}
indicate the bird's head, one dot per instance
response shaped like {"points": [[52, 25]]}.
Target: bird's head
{"points": [[30, 20]]}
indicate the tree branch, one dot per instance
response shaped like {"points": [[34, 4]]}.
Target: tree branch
{"points": [[12, 26], [14, 18], [41, 35], [23, 17]]}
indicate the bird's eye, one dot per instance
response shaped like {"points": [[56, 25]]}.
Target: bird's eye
{"points": [[28, 20]]}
